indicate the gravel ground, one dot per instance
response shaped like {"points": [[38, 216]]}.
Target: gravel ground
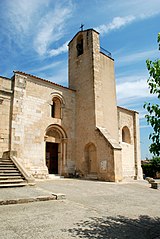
{"points": [[93, 210]]}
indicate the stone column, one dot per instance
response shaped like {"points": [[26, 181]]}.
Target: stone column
{"points": [[64, 156]]}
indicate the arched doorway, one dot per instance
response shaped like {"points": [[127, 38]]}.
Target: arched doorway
{"points": [[91, 157], [52, 157], [56, 141]]}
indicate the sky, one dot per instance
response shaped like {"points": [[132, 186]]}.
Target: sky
{"points": [[34, 35]]}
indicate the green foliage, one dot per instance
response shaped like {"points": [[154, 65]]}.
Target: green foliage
{"points": [[153, 116], [150, 169], [155, 162], [147, 170]]}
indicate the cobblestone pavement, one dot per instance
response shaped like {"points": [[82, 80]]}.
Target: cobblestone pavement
{"points": [[93, 210]]}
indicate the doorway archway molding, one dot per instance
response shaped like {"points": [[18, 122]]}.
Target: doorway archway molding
{"points": [[56, 134]]}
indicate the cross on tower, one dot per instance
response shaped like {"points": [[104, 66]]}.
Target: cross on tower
{"points": [[81, 27]]}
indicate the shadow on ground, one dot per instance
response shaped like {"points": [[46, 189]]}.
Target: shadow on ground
{"points": [[119, 227]]}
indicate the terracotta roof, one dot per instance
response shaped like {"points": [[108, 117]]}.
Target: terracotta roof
{"points": [[41, 79], [5, 77], [133, 111]]}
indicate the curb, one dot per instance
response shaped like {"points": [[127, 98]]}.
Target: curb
{"points": [[34, 199]]}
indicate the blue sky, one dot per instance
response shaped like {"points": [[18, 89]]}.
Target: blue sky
{"points": [[34, 36]]}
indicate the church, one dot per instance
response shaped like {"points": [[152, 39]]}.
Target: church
{"points": [[71, 131]]}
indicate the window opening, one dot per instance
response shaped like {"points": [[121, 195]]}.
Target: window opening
{"points": [[56, 108], [126, 135], [79, 46], [53, 110]]}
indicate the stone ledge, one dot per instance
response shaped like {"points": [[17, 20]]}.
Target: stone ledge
{"points": [[59, 196], [28, 200], [114, 144], [155, 185]]}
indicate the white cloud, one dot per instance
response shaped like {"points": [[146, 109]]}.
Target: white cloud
{"points": [[46, 67], [36, 24], [18, 21], [20, 13], [58, 51], [123, 77], [116, 23], [132, 91], [145, 126], [142, 115], [51, 28], [131, 11], [60, 77], [138, 8], [135, 57]]}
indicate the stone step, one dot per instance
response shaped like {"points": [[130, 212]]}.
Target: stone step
{"points": [[13, 185], [5, 160], [7, 170], [10, 173], [11, 181], [10, 177], [8, 167], [6, 163]]}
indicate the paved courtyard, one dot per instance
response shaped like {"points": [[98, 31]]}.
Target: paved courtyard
{"points": [[91, 210]]}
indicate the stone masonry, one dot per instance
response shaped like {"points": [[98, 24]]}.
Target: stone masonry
{"points": [[76, 130]]}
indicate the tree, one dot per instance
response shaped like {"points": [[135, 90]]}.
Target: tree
{"points": [[153, 116], [151, 167], [155, 163]]}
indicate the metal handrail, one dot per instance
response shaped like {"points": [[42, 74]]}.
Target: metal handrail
{"points": [[105, 52]]}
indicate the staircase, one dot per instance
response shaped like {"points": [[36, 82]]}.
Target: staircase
{"points": [[10, 176]]}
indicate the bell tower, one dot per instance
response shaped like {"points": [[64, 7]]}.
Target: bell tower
{"points": [[91, 74], [81, 74]]}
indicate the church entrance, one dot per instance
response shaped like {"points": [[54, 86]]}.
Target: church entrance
{"points": [[55, 150], [52, 157]]}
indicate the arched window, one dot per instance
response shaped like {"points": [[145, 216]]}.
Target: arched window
{"points": [[126, 135], [56, 108], [79, 45]]}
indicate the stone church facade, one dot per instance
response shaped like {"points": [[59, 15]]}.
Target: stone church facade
{"points": [[71, 130]]}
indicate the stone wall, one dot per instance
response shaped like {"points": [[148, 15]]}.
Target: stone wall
{"points": [[130, 147], [86, 78], [31, 117], [5, 109], [107, 93], [86, 128]]}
